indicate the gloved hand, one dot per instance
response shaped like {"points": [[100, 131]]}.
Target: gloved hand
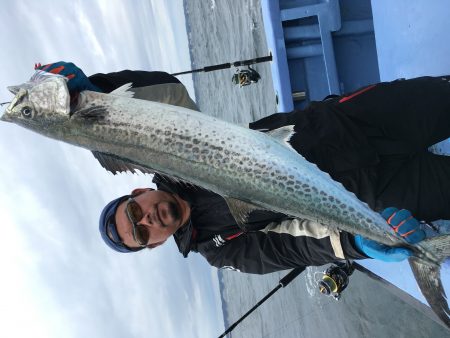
{"points": [[380, 251], [404, 225], [77, 80]]}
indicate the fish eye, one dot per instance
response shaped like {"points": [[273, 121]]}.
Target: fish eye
{"points": [[26, 112]]}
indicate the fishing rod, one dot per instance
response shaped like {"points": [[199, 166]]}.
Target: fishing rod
{"points": [[283, 283], [228, 65]]}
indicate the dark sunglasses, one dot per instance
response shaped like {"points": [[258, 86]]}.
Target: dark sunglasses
{"points": [[141, 235]]}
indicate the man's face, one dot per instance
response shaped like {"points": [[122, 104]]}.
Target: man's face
{"points": [[163, 215]]}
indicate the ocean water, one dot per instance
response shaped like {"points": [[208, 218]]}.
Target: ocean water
{"points": [[222, 31], [230, 30]]}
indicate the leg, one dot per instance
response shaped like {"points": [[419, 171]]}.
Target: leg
{"points": [[415, 111], [419, 183]]}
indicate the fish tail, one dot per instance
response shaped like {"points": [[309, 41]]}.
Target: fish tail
{"points": [[428, 275]]}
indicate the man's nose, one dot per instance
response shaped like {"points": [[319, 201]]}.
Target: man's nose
{"points": [[146, 219]]}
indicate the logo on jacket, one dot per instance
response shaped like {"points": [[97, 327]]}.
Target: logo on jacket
{"points": [[218, 240]]}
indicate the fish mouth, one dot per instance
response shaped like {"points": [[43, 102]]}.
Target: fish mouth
{"points": [[14, 89], [19, 93], [4, 117]]}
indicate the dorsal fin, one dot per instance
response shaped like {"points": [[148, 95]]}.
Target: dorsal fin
{"points": [[123, 90], [283, 134], [240, 210], [115, 164]]}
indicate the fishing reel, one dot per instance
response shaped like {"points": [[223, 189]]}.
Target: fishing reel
{"points": [[335, 279], [245, 77]]}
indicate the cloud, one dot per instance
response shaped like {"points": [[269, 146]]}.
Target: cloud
{"points": [[62, 280], [87, 31]]}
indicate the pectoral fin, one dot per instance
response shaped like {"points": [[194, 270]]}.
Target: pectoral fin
{"points": [[95, 113]]}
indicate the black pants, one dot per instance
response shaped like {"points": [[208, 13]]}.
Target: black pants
{"points": [[375, 142], [401, 120]]}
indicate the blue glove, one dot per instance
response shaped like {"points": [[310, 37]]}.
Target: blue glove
{"points": [[381, 252], [404, 225], [77, 80]]}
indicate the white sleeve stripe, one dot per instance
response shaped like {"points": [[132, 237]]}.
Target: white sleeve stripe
{"points": [[335, 240], [298, 227], [302, 227]]}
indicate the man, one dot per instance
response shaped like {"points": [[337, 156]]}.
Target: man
{"points": [[200, 221], [334, 137]]}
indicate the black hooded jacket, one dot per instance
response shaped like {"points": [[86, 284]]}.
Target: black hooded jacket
{"points": [[374, 141]]}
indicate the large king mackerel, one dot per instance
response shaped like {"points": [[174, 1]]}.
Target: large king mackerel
{"points": [[247, 167]]}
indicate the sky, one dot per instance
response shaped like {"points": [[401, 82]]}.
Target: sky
{"points": [[58, 278]]}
